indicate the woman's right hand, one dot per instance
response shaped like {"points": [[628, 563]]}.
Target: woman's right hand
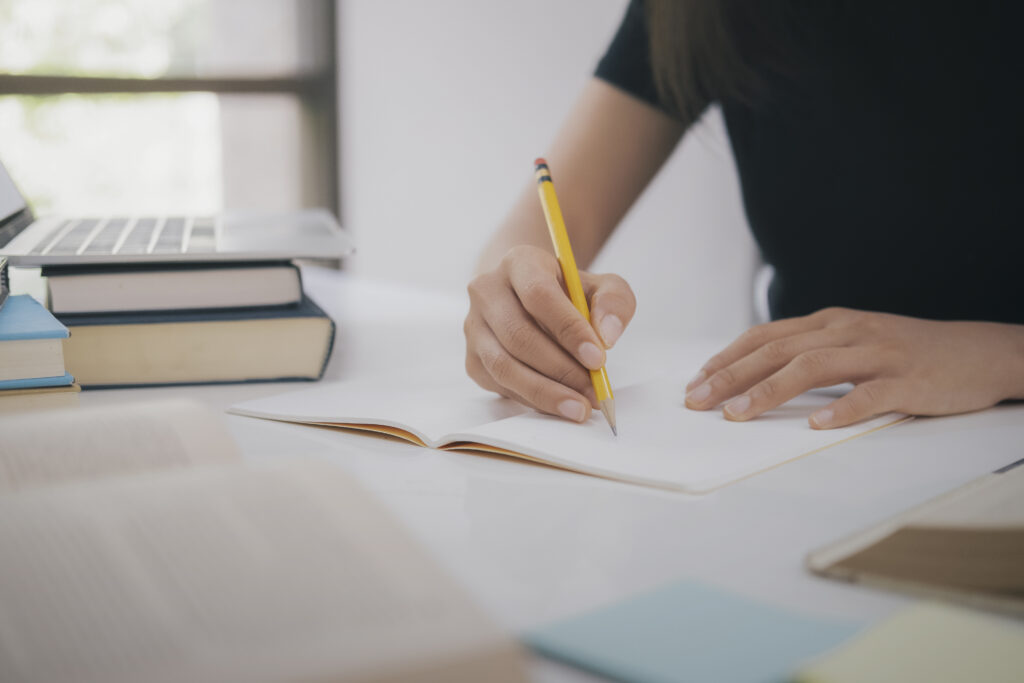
{"points": [[526, 341]]}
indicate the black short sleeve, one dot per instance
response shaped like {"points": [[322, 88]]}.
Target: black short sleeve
{"points": [[627, 62]]}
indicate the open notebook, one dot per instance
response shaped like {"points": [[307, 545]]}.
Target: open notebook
{"points": [[660, 443]]}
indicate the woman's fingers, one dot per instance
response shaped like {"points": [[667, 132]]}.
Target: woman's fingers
{"points": [[757, 365], [526, 340], [757, 337], [911, 365], [612, 305], [476, 371], [498, 368], [773, 363], [810, 370], [536, 286], [863, 401], [519, 334]]}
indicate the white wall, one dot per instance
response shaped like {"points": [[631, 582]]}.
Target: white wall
{"points": [[444, 106]]}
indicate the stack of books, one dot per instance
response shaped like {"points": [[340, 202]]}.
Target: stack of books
{"points": [[32, 371], [149, 324]]}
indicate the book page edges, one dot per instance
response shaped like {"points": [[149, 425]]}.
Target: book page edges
{"points": [[924, 591], [468, 443], [174, 290], [31, 358], [196, 352], [499, 448], [33, 391], [383, 427]]}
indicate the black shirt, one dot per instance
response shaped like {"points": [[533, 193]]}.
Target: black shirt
{"points": [[887, 174]]}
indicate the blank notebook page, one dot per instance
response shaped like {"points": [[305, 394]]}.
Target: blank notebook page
{"points": [[663, 443]]}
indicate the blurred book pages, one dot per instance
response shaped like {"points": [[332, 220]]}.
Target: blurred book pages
{"points": [[660, 443], [928, 642], [40, 398], [690, 631], [138, 546]]}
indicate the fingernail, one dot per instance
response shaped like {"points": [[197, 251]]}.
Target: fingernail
{"points": [[611, 330], [574, 410], [591, 356], [697, 379], [822, 418], [738, 407], [699, 394]]}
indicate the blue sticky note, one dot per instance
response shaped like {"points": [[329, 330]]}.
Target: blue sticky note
{"points": [[690, 631], [22, 317]]}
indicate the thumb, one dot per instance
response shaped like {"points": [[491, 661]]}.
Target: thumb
{"points": [[612, 305]]}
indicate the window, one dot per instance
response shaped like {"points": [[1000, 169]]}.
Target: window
{"points": [[178, 105]]}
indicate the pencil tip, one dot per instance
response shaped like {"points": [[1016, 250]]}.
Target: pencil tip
{"points": [[608, 408]]}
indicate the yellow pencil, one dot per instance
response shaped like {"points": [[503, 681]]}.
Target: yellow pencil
{"points": [[563, 250]]}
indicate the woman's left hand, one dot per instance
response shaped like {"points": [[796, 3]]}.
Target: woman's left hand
{"points": [[909, 365]]}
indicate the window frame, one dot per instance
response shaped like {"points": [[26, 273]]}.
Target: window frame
{"points": [[317, 93]]}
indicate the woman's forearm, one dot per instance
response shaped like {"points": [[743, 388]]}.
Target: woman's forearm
{"points": [[608, 149]]}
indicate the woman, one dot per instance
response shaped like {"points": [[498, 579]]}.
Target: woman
{"points": [[879, 150]]}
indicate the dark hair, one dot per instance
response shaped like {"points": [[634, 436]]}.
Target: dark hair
{"points": [[704, 50]]}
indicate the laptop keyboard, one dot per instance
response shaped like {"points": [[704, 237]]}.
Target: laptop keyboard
{"points": [[145, 235]]}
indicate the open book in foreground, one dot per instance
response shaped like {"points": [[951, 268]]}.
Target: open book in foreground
{"points": [[137, 546], [966, 546], [660, 442]]}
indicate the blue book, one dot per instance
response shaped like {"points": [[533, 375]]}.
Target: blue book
{"points": [[690, 631], [22, 317], [64, 380], [31, 344]]}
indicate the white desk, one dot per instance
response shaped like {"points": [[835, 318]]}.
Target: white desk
{"points": [[534, 544]]}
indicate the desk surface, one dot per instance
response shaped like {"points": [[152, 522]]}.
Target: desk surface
{"points": [[534, 544]]}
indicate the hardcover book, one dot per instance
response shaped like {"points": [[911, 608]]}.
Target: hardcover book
{"points": [[197, 347], [162, 287]]}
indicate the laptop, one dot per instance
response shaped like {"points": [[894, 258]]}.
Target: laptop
{"points": [[122, 239]]}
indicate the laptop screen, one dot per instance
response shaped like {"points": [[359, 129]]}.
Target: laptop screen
{"points": [[11, 201], [13, 210]]}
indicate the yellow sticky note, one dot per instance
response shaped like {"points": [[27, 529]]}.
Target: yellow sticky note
{"points": [[927, 642]]}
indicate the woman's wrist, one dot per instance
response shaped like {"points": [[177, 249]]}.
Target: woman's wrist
{"points": [[1014, 358]]}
